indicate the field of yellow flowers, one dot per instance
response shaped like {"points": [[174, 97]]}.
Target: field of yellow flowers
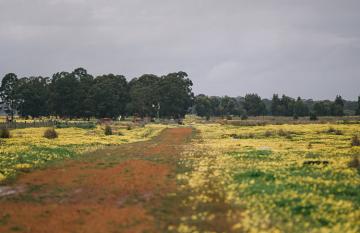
{"points": [[27, 148], [273, 178]]}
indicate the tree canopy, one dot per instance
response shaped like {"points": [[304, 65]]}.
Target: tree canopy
{"points": [[78, 94], [9, 93]]}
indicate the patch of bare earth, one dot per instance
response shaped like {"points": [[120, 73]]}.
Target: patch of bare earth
{"points": [[110, 190]]}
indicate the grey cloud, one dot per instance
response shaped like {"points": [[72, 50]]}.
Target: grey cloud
{"points": [[299, 47]]}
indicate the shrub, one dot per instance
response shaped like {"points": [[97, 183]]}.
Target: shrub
{"points": [[354, 163], [228, 117], [108, 130], [244, 116], [90, 125], [242, 136], [148, 132], [268, 134], [313, 117], [296, 117], [310, 146], [316, 162], [63, 125], [286, 134], [355, 141], [331, 130], [312, 155], [128, 127], [5, 133], [283, 133], [50, 133]]}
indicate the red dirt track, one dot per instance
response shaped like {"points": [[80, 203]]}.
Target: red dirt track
{"points": [[110, 190]]}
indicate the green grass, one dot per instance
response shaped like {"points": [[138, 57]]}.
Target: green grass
{"points": [[37, 157], [326, 185], [4, 219]]}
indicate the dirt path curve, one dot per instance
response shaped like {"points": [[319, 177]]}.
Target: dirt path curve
{"points": [[117, 189]]}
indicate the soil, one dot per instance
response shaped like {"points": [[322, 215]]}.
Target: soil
{"points": [[116, 189]]}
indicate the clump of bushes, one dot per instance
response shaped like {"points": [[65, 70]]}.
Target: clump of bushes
{"points": [[283, 133], [241, 136], [148, 132], [316, 162], [309, 146], [5, 133], [108, 130], [331, 130], [50, 133], [268, 133], [355, 163], [128, 127], [355, 141], [244, 116], [87, 125], [120, 133], [312, 155], [313, 117]]}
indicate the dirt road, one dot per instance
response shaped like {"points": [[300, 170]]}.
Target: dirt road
{"points": [[117, 189]]}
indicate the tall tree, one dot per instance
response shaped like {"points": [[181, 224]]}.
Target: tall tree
{"points": [[287, 106], [322, 108], [144, 95], [8, 93], [65, 96], [215, 103], [337, 108], [110, 95], [33, 94], [202, 106], [358, 107], [275, 105], [176, 95], [230, 106], [86, 81], [300, 108], [253, 105]]}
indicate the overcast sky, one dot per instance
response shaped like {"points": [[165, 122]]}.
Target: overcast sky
{"points": [[308, 48]]}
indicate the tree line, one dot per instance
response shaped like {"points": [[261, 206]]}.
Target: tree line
{"points": [[78, 94], [254, 105]]}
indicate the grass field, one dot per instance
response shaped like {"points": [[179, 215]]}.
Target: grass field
{"points": [[274, 178], [27, 148], [227, 178]]}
